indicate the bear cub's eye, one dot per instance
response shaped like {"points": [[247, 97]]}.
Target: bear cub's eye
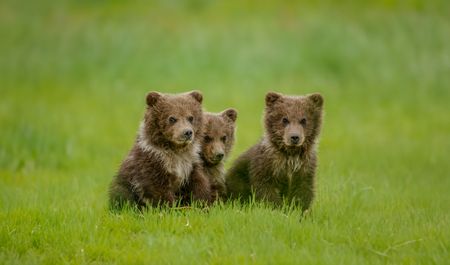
{"points": [[207, 139], [172, 120], [285, 121], [190, 119], [224, 138], [303, 121]]}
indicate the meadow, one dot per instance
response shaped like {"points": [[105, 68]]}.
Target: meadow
{"points": [[73, 80]]}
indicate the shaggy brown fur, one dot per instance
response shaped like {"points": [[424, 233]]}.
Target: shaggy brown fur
{"points": [[218, 139], [282, 165], [164, 160]]}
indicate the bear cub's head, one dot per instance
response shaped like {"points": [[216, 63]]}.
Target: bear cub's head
{"points": [[173, 121], [293, 122], [218, 136]]}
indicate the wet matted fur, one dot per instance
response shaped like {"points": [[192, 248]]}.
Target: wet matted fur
{"points": [[217, 142], [282, 165], [164, 164]]}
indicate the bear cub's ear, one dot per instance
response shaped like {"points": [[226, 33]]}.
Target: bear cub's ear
{"points": [[152, 98], [317, 99], [271, 98], [197, 96], [230, 114]]}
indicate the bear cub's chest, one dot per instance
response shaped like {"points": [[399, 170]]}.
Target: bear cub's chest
{"points": [[180, 166], [285, 167]]}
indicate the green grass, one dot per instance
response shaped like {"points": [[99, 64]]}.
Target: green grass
{"points": [[73, 77]]}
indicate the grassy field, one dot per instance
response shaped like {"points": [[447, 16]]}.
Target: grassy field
{"points": [[73, 77]]}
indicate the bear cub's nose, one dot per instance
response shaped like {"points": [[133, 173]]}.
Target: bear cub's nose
{"points": [[187, 134], [218, 156], [295, 139]]}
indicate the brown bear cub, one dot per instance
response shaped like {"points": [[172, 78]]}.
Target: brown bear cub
{"points": [[164, 160], [218, 139], [281, 167]]}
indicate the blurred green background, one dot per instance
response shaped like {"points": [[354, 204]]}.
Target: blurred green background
{"points": [[73, 79]]}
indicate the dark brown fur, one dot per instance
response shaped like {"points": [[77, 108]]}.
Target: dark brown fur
{"points": [[164, 163], [282, 165], [218, 139]]}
